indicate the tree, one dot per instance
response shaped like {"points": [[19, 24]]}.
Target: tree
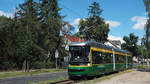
{"points": [[147, 5], [144, 52], [131, 44], [32, 36], [27, 32], [67, 28], [52, 24], [7, 43], [94, 27], [147, 26]]}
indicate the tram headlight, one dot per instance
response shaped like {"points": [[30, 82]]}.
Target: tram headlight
{"points": [[88, 64]]}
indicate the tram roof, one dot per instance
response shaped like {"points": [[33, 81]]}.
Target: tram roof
{"points": [[97, 45]]}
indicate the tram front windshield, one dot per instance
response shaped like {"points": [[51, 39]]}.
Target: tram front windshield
{"points": [[79, 55]]}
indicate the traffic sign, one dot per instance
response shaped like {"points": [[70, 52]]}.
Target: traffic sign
{"points": [[56, 54]]}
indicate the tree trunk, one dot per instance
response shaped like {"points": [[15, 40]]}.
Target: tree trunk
{"points": [[25, 67]]}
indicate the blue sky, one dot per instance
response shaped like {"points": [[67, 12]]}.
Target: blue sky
{"points": [[124, 16]]}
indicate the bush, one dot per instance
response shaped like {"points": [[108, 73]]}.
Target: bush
{"points": [[41, 64], [7, 65]]}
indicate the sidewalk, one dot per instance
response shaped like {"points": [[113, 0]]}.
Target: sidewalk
{"points": [[135, 77]]}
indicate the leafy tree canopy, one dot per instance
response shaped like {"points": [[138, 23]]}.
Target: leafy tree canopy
{"points": [[94, 27], [147, 26], [130, 43]]}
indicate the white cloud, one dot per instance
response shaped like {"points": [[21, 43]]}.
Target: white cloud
{"points": [[75, 22], [5, 14], [111, 37], [113, 23], [140, 22]]}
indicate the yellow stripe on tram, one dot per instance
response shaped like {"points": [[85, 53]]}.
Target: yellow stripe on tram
{"points": [[109, 51], [79, 66], [101, 50]]}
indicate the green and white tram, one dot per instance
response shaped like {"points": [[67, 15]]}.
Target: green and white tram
{"points": [[92, 58]]}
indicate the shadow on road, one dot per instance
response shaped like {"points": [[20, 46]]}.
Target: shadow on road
{"points": [[144, 70]]}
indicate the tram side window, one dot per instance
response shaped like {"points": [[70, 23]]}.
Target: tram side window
{"points": [[111, 57], [121, 59], [124, 59], [97, 57], [130, 59], [116, 58], [103, 56], [108, 58]]}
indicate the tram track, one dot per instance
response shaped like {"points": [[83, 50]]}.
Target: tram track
{"points": [[77, 80], [80, 80]]}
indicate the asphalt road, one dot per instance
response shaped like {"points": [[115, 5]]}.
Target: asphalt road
{"points": [[33, 78]]}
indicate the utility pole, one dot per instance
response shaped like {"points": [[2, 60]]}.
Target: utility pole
{"points": [[56, 56], [113, 55], [126, 61]]}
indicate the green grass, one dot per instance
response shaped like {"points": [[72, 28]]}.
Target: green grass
{"points": [[52, 80], [143, 67], [104, 78], [20, 73]]}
